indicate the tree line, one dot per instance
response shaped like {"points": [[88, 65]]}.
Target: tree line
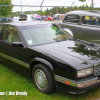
{"points": [[55, 10], [5, 10]]}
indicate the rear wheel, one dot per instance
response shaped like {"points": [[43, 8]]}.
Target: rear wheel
{"points": [[43, 78]]}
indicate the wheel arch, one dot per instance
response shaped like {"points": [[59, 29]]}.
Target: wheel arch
{"points": [[37, 60]]}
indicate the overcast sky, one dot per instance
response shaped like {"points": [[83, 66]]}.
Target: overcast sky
{"points": [[50, 3]]}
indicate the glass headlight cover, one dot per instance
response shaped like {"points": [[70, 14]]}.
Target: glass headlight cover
{"points": [[85, 72]]}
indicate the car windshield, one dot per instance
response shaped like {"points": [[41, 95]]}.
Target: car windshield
{"points": [[39, 34]]}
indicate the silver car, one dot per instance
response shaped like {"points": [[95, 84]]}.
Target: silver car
{"points": [[84, 25]]}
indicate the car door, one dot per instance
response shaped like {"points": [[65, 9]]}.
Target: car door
{"points": [[1, 45], [5, 45], [73, 23], [90, 29], [14, 56]]}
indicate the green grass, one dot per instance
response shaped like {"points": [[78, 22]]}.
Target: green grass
{"points": [[13, 81]]}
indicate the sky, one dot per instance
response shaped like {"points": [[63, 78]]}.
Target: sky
{"points": [[49, 3]]}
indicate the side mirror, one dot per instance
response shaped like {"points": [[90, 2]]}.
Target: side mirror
{"points": [[69, 31], [17, 44]]}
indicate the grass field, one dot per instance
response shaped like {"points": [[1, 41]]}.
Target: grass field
{"points": [[13, 81]]}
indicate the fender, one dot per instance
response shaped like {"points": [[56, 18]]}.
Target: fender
{"points": [[69, 31], [44, 62], [66, 29]]}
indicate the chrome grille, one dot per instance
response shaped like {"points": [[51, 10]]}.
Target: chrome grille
{"points": [[97, 70]]}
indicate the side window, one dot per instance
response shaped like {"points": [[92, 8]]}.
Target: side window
{"points": [[10, 34], [0, 30], [72, 18], [91, 20]]}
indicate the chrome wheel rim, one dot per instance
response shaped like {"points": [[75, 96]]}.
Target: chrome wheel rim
{"points": [[40, 79]]}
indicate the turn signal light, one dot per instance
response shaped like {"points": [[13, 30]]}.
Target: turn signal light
{"points": [[67, 82]]}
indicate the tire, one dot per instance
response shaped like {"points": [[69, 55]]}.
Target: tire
{"points": [[43, 79], [49, 19]]}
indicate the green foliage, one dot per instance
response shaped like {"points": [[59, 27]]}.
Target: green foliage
{"points": [[47, 11], [13, 81], [55, 10], [43, 13], [82, 0], [5, 10]]}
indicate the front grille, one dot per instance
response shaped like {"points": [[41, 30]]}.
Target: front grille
{"points": [[97, 70]]}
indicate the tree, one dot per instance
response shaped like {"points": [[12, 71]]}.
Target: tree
{"points": [[58, 9], [5, 10], [62, 10], [54, 10], [47, 11], [82, 0]]}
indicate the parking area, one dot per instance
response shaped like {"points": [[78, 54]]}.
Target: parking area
{"points": [[56, 21]]}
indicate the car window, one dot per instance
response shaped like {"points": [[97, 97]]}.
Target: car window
{"points": [[10, 34], [72, 18], [91, 20], [0, 30]]}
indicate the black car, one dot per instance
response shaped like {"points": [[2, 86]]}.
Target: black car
{"points": [[85, 25], [51, 56]]}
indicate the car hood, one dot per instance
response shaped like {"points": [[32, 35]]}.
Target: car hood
{"points": [[71, 52]]}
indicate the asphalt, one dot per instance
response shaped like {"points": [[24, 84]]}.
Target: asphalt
{"points": [[56, 21]]}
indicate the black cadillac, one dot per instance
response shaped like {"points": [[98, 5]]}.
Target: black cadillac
{"points": [[51, 56]]}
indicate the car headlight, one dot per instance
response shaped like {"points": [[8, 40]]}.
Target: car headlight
{"points": [[85, 72]]}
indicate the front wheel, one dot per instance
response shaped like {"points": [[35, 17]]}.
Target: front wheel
{"points": [[43, 78]]}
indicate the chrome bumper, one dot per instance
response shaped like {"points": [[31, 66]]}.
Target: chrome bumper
{"points": [[78, 84]]}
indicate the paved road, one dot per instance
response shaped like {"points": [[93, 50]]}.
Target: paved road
{"points": [[56, 21]]}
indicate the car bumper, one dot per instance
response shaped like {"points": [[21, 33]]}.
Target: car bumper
{"points": [[76, 87]]}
